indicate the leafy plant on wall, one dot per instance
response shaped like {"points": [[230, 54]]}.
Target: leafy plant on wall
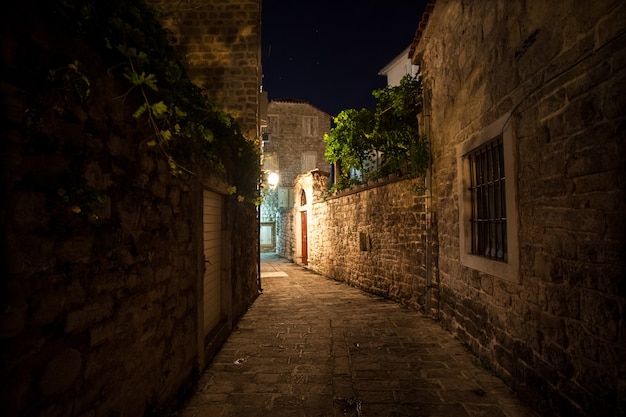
{"points": [[388, 135], [350, 140], [190, 131]]}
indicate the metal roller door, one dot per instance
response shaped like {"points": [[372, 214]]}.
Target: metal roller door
{"points": [[212, 225]]}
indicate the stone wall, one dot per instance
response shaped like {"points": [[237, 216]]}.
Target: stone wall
{"points": [[374, 237], [101, 249], [287, 145], [288, 141], [221, 43], [243, 250], [554, 330], [285, 234], [99, 306]]}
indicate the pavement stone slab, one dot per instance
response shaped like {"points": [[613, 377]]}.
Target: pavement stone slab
{"points": [[310, 346]]}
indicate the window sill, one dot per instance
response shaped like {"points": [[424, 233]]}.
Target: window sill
{"points": [[507, 271]]}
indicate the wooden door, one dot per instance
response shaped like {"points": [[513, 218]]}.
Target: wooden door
{"points": [[305, 245]]}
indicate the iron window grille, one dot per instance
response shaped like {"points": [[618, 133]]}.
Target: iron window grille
{"points": [[488, 212]]}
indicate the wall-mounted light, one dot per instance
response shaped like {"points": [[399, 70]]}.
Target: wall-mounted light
{"points": [[272, 180]]}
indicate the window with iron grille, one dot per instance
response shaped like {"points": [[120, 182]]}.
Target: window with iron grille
{"points": [[488, 208], [488, 201]]}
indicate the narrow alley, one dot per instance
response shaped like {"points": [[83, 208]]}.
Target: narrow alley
{"points": [[311, 346]]}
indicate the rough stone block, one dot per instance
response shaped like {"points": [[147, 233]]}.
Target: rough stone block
{"points": [[60, 373], [600, 315], [89, 315]]}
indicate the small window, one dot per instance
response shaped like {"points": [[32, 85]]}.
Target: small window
{"points": [[265, 136], [488, 211], [285, 197], [303, 198], [309, 161], [309, 126], [488, 201], [365, 243], [272, 125]]}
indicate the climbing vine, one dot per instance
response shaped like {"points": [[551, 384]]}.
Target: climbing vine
{"points": [[71, 80], [189, 130]]}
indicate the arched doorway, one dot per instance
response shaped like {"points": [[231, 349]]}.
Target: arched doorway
{"points": [[304, 232]]}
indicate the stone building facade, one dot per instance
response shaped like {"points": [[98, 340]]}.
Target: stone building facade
{"points": [[221, 43], [398, 68], [105, 307], [518, 231], [536, 88], [293, 144]]}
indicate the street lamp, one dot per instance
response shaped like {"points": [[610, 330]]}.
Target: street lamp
{"points": [[272, 180]]}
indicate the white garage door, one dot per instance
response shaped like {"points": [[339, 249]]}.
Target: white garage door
{"points": [[212, 224]]}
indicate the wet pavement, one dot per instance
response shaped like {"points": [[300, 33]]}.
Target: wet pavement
{"points": [[312, 347]]}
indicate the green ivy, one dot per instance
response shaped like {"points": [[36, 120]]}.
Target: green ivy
{"points": [[189, 129], [71, 80]]}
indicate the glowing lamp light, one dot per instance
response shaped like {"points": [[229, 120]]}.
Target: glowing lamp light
{"points": [[272, 179]]}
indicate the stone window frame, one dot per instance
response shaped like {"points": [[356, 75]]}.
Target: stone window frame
{"points": [[272, 125], [309, 126], [488, 192], [285, 197], [508, 270], [304, 157]]}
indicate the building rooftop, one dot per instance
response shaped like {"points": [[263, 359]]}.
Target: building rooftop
{"points": [[297, 101]]}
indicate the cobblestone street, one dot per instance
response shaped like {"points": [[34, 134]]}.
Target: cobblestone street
{"points": [[311, 346]]}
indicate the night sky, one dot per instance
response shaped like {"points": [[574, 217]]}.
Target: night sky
{"points": [[329, 52]]}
